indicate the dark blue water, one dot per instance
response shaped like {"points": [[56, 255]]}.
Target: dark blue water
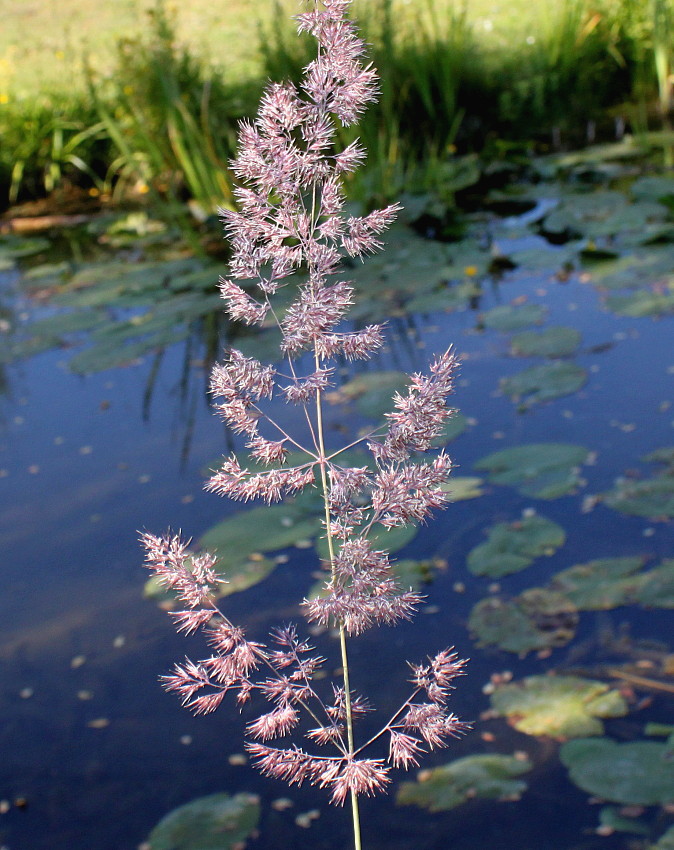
{"points": [[93, 753]]}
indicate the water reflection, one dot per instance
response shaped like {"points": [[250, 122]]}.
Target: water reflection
{"points": [[90, 743]]}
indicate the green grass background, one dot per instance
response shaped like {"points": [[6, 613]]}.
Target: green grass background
{"points": [[43, 42]]}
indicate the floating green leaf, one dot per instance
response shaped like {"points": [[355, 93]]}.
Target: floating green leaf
{"points": [[512, 546], [611, 818], [462, 487], [637, 773], [537, 619], [453, 427], [601, 584], [556, 341], [558, 706], [653, 188], [664, 455], [109, 354], [391, 539], [641, 304], [14, 247], [543, 470], [216, 822], [544, 383], [449, 297], [262, 529], [509, 318], [651, 497], [372, 392], [490, 776], [657, 589]]}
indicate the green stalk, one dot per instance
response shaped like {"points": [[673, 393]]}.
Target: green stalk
{"points": [[342, 633]]}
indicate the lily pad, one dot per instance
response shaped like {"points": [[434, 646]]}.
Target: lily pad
{"points": [[109, 354], [513, 546], [558, 706], [449, 297], [657, 589], [460, 487], [651, 497], [234, 578], [389, 539], [556, 341], [636, 773], [453, 427], [544, 383], [261, 529], [537, 619], [15, 247], [216, 822], [641, 304], [664, 455], [372, 392], [510, 318], [491, 777], [412, 574], [611, 818], [601, 584], [653, 188], [542, 470]]}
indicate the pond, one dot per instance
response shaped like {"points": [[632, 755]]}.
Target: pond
{"points": [[555, 557]]}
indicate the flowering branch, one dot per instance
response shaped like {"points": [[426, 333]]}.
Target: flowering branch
{"points": [[291, 218]]}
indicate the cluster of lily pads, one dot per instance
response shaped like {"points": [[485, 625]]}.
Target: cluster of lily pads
{"points": [[155, 291]]}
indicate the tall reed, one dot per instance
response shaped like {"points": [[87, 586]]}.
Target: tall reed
{"points": [[291, 217]]}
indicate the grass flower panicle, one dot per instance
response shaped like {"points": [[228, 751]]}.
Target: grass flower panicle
{"points": [[291, 218]]}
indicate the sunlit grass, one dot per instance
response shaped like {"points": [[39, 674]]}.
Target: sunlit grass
{"points": [[43, 43]]}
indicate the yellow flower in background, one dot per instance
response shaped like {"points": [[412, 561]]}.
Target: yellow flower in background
{"points": [[59, 54], [470, 271], [4, 98]]}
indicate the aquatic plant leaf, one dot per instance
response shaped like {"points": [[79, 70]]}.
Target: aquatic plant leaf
{"points": [[544, 383], [118, 283], [536, 619], [216, 822], [372, 392], [651, 497], [449, 297], [638, 269], [543, 470], [109, 354], [491, 776], [390, 539], [657, 588], [15, 247], [611, 819], [462, 487], [664, 455], [508, 318], [45, 334], [512, 546], [234, 578], [453, 428], [653, 188], [261, 529], [641, 304], [556, 341], [558, 706], [601, 584], [412, 574], [636, 773]]}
